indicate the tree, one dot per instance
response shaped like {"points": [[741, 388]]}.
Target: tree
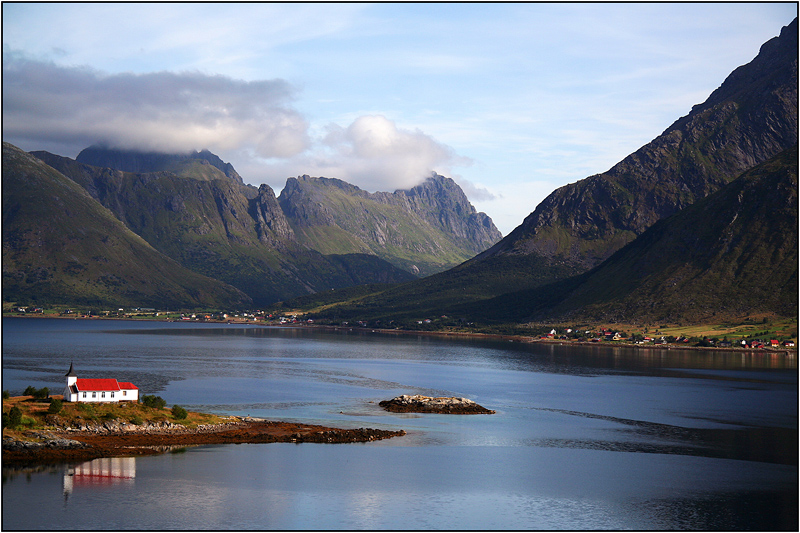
{"points": [[14, 417], [157, 402], [42, 393], [55, 406], [179, 412]]}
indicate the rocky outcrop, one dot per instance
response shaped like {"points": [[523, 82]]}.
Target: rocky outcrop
{"points": [[271, 224], [427, 404]]}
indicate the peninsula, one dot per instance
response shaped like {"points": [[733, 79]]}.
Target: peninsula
{"points": [[81, 432]]}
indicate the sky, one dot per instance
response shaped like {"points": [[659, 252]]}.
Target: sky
{"points": [[511, 100]]}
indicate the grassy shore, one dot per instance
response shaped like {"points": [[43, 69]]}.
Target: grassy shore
{"points": [[35, 415]]}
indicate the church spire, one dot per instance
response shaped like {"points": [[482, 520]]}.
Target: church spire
{"points": [[70, 372]]}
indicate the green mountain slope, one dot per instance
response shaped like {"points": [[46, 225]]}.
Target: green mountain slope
{"points": [[210, 225], [424, 230], [60, 246], [731, 254]]}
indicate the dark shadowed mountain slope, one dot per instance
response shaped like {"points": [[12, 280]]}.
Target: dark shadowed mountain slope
{"points": [[141, 162], [751, 117], [423, 230], [210, 226], [729, 255], [60, 246]]}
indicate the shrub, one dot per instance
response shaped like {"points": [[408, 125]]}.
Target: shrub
{"points": [[55, 406], [14, 417], [179, 412], [30, 390], [42, 393], [136, 420], [156, 402], [6, 395]]}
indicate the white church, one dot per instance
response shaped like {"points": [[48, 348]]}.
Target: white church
{"points": [[98, 390]]}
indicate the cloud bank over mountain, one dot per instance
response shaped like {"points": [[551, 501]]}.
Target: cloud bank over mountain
{"points": [[161, 111], [250, 123]]}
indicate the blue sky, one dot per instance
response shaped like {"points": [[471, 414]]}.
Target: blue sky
{"points": [[510, 100]]}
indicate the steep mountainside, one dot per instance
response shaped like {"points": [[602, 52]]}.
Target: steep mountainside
{"points": [[60, 246], [731, 254], [212, 227], [423, 230], [750, 118]]}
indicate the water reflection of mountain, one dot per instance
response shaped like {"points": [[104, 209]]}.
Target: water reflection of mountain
{"points": [[107, 472]]}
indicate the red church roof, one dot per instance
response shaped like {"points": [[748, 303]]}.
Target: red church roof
{"points": [[103, 384], [127, 385]]}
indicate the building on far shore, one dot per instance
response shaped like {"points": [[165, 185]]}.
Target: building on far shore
{"points": [[98, 390]]}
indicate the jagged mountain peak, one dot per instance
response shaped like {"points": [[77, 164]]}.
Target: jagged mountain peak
{"points": [[423, 230]]}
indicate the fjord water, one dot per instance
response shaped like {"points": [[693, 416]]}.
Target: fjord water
{"points": [[583, 437]]}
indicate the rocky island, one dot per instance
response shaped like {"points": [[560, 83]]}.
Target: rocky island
{"points": [[426, 404]]}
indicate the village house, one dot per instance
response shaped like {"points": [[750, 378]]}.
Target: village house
{"points": [[98, 389]]}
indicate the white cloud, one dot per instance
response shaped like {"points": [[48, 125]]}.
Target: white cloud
{"points": [[374, 154], [161, 111]]}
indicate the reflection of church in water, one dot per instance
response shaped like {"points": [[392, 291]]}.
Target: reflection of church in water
{"points": [[100, 473]]}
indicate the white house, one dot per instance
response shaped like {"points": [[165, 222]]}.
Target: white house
{"points": [[98, 390]]}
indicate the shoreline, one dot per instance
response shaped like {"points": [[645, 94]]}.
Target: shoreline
{"points": [[524, 339], [68, 446]]}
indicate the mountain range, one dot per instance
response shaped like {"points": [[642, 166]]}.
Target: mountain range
{"points": [[701, 222], [729, 255], [61, 246], [321, 234], [749, 119]]}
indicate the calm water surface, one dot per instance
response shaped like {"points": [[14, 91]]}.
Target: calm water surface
{"points": [[583, 438]]}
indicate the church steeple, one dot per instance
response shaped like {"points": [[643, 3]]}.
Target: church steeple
{"points": [[71, 376]]}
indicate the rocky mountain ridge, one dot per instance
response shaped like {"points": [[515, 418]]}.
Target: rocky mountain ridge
{"points": [[422, 230], [212, 227], [731, 254], [145, 162], [215, 225]]}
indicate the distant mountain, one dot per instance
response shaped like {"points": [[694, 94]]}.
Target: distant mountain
{"points": [[208, 224], [750, 118], [423, 230], [729, 255], [60, 246]]}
